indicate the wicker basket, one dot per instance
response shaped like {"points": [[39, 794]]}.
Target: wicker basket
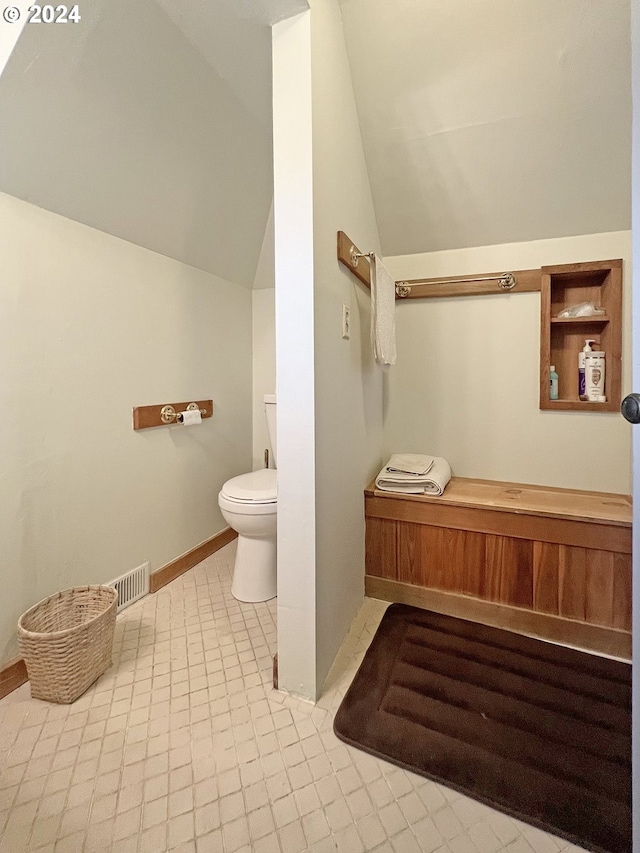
{"points": [[67, 640]]}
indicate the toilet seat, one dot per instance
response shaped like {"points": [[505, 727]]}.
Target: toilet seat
{"points": [[254, 488]]}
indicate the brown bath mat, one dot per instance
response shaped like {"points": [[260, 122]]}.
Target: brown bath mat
{"points": [[538, 731]]}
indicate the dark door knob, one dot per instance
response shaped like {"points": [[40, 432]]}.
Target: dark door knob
{"points": [[630, 408]]}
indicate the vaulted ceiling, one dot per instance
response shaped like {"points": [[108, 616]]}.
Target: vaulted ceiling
{"points": [[492, 122], [150, 121], [482, 122]]}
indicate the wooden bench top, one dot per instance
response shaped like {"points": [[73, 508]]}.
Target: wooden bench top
{"points": [[596, 507]]}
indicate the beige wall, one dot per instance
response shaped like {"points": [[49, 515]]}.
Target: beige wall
{"points": [[466, 382], [329, 392], [92, 326], [348, 386], [293, 240]]}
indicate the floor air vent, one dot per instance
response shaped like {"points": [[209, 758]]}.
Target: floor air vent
{"points": [[132, 586]]}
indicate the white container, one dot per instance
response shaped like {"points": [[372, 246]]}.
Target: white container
{"points": [[582, 379], [594, 376]]}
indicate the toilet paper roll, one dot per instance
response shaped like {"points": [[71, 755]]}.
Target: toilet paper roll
{"points": [[190, 417]]}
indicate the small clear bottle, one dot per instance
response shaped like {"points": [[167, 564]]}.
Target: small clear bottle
{"points": [[553, 383]]}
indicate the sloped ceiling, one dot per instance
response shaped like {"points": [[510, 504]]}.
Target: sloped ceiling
{"points": [[149, 121], [492, 122], [482, 122]]}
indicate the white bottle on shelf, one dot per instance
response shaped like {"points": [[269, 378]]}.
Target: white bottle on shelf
{"points": [[594, 376], [586, 349]]}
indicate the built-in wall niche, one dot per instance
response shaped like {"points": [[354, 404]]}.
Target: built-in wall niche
{"points": [[562, 339]]}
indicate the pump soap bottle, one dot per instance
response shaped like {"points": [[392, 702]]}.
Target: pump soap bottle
{"points": [[582, 388], [594, 377]]}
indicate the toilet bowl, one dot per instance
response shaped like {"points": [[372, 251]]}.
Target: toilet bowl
{"points": [[249, 505]]}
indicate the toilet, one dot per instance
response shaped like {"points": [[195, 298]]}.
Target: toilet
{"points": [[249, 504]]}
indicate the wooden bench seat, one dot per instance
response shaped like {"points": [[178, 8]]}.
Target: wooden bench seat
{"points": [[552, 563]]}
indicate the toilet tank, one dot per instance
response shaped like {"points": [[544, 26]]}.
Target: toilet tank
{"points": [[270, 410]]}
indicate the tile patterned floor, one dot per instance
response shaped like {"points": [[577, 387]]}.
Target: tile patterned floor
{"points": [[184, 746]]}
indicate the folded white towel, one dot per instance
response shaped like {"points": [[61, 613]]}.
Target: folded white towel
{"points": [[410, 463], [383, 313], [432, 483]]}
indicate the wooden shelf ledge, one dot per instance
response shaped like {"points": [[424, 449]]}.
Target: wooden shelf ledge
{"points": [[579, 321], [546, 501]]}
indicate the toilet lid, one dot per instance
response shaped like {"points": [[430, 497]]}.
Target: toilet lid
{"points": [[256, 487]]}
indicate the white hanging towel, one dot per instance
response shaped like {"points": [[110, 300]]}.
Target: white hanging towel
{"points": [[383, 313]]}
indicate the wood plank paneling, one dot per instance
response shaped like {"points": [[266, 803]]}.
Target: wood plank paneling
{"points": [[469, 549], [410, 567], [380, 548], [499, 559], [434, 569], [621, 609], [599, 588], [602, 536], [545, 577], [572, 583], [516, 586], [577, 583], [439, 558], [509, 571], [490, 588]]}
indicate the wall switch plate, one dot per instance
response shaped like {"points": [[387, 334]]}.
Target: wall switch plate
{"points": [[346, 322]]}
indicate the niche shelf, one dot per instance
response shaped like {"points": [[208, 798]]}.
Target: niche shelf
{"points": [[561, 339]]}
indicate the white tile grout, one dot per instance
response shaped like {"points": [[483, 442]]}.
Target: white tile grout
{"points": [[184, 746]]}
